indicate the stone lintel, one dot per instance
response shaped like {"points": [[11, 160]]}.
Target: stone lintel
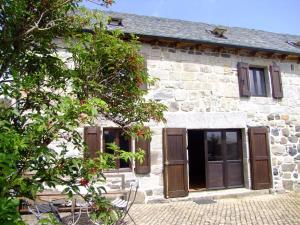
{"points": [[204, 120]]}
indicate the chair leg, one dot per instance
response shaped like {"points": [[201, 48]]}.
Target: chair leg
{"points": [[131, 218]]}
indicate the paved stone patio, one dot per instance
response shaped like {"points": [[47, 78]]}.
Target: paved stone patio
{"points": [[283, 209], [263, 209]]}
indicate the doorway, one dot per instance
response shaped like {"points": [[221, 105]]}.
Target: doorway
{"points": [[215, 159], [196, 154]]}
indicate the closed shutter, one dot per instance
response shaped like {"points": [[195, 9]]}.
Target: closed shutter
{"points": [[243, 78], [92, 138], [260, 158], [175, 162], [145, 166], [276, 82]]}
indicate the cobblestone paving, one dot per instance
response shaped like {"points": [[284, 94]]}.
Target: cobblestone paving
{"points": [[266, 209]]}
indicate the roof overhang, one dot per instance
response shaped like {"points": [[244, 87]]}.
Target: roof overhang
{"points": [[171, 39]]}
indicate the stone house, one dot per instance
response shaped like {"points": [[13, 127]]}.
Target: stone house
{"points": [[233, 98]]}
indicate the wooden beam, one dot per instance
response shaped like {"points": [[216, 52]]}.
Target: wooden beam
{"points": [[154, 42], [198, 47], [284, 57], [218, 49], [172, 44], [298, 60], [238, 51], [271, 55], [204, 48], [255, 53], [180, 45]]}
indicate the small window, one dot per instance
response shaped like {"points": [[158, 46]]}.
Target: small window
{"points": [[295, 44], [257, 82], [219, 32], [115, 22], [115, 135]]}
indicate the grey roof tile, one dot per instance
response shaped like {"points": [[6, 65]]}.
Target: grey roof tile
{"points": [[198, 32]]}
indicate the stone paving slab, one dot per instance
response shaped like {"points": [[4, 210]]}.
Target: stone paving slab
{"points": [[265, 209]]}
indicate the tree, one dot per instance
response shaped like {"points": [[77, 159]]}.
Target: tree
{"points": [[44, 101]]}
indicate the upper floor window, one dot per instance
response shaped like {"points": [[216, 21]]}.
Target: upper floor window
{"points": [[257, 82]]}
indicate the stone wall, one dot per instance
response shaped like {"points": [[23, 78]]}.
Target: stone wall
{"points": [[285, 149], [201, 91]]}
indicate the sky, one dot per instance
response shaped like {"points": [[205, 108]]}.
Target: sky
{"points": [[281, 16]]}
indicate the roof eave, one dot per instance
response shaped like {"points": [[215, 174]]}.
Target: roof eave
{"points": [[217, 44]]}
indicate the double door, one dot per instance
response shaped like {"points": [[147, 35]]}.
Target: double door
{"points": [[224, 159]]}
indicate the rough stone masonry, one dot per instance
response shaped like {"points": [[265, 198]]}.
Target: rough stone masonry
{"points": [[201, 91]]}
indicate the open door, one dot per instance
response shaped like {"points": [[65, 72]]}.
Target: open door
{"points": [[260, 158], [175, 162]]}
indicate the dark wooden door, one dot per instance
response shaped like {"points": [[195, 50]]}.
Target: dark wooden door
{"points": [[234, 172], [260, 158], [175, 162], [224, 161], [214, 160]]}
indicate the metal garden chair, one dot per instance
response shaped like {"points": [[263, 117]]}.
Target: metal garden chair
{"points": [[80, 213], [81, 217], [124, 205]]}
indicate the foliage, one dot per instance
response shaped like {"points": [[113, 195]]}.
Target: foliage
{"points": [[8, 213], [44, 99]]}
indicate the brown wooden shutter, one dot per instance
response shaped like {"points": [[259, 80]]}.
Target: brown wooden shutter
{"points": [[92, 138], [145, 166], [260, 158], [276, 82], [243, 78], [175, 162]]}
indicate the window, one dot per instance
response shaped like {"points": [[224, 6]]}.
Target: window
{"points": [[214, 146], [295, 44], [115, 22], [254, 82], [232, 145], [114, 135], [257, 82]]}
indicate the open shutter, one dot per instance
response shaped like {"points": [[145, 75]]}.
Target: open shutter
{"points": [[276, 82], [145, 166], [243, 78], [92, 138], [260, 158], [175, 162]]}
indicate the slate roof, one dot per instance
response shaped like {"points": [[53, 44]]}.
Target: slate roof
{"points": [[199, 32]]}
